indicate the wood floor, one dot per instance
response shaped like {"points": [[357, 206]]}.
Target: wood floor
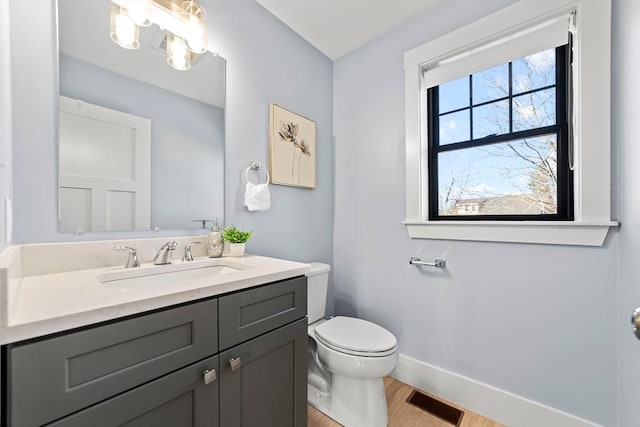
{"points": [[403, 414]]}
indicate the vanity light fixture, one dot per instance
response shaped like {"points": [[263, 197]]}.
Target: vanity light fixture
{"points": [[184, 22]]}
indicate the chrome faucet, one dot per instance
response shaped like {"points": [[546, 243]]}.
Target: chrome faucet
{"points": [[188, 256], [132, 261], [163, 256]]}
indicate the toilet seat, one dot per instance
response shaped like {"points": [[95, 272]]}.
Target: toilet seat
{"points": [[356, 337]]}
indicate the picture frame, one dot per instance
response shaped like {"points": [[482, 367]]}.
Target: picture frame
{"points": [[292, 148]]}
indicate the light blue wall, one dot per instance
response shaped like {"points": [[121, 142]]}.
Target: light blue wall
{"points": [[34, 60], [626, 134], [536, 320], [266, 62], [187, 141]]}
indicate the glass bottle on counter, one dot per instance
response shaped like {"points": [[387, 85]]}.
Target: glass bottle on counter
{"points": [[215, 242]]}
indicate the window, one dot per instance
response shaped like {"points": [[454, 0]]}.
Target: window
{"points": [[489, 141], [498, 142]]}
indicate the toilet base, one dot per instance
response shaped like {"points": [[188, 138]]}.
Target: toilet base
{"points": [[318, 392], [319, 399], [353, 402]]}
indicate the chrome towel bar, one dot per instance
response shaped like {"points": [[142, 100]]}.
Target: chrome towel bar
{"points": [[439, 263]]}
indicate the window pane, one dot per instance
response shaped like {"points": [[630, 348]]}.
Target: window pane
{"points": [[534, 71], [534, 110], [512, 178], [455, 127], [454, 95], [490, 84], [491, 119]]}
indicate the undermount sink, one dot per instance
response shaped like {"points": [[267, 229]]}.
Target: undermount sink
{"points": [[177, 271]]}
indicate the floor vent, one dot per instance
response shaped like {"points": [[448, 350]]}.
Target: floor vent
{"points": [[436, 408]]}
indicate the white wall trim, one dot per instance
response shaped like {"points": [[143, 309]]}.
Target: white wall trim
{"points": [[592, 200], [547, 232], [489, 401]]}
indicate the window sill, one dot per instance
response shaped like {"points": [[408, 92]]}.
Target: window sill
{"points": [[544, 232]]}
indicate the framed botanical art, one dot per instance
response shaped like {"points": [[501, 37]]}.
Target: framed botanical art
{"points": [[292, 148]]}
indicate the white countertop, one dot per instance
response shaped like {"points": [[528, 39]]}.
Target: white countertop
{"points": [[49, 303]]}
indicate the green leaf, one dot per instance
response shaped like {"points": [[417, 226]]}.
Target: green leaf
{"points": [[233, 235]]}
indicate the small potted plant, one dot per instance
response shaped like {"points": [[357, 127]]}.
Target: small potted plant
{"points": [[237, 239]]}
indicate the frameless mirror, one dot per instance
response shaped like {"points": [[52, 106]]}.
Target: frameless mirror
{"points": [[141, 145]]}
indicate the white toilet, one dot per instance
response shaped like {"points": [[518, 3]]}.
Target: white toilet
{"points": [[348, 358]]}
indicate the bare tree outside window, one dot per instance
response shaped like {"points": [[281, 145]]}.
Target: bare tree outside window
{"points": [[515, 175]]}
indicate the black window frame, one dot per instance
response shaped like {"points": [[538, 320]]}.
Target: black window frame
{"points": [[560, 129]]}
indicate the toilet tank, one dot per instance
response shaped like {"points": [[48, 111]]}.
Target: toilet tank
{"points": [[317, 283]]}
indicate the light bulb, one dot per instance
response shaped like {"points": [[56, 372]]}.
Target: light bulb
{"points": [[178, 48], [177, 55], [194, 35], [123, 30], [140, 12], [179, 62], [194, 22]]}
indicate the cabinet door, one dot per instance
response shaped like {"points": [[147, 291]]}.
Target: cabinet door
{"points": [[50, 378], [268, 387], [180, 399]]}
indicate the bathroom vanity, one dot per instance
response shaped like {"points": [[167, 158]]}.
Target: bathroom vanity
{"points": [[230, 351]]}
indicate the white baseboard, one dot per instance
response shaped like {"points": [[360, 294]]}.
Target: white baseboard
{"points": [[491, 402]]}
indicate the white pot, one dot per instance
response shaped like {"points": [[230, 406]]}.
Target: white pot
{"points": [[236, 249]]}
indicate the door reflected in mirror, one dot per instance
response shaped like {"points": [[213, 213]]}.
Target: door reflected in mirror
{"points": [[141, 145]]}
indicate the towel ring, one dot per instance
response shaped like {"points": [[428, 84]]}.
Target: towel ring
{"points": [[255, 166]]}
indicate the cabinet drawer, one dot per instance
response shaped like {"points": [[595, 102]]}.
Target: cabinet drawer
{"points": [[180, 399], [247, 314], [54, 377]]}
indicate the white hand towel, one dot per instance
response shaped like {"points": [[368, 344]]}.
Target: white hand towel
{"points": [[257, 196]]}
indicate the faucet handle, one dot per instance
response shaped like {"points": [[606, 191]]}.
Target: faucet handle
{"points": [[132, 261], [187, 251]]}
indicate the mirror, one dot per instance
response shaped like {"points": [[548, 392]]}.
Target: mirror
{"points": [[141, 145]]}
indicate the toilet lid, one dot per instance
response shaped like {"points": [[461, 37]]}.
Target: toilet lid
{"points": [[355, 336]]}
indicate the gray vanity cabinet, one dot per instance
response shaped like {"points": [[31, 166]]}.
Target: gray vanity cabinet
{"points": [[156, 369]]}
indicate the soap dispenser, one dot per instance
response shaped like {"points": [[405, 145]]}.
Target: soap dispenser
{"points": [[215, 243]]}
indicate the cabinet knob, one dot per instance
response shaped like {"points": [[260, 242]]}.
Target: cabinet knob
{"points": [[235, 363], [209, 376]]}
